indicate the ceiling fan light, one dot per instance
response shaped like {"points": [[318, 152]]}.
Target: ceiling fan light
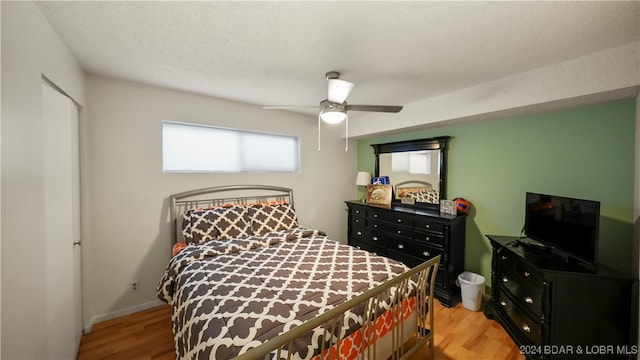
{"points": [[333, 116]]}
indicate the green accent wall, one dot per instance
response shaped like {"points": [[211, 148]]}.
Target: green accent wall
{"points": [[586, 152]]}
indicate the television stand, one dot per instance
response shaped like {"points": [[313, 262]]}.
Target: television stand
{"points": [[543, 301], [531, 245]]}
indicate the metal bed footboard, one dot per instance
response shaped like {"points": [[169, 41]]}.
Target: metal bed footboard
{"points": [[331, 321]]}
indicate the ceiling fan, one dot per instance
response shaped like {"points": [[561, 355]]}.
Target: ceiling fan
{"points": [[333, 109]]}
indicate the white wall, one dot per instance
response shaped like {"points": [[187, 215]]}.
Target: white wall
{"points": [[126, 225], [0, 206], [30, 49], [600, 77], [636, 213]]}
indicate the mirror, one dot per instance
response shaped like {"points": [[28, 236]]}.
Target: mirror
{"points": [[416, 169]]}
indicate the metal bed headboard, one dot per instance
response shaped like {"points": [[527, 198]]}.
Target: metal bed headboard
{"points": [[417, 182], [203, 198]]}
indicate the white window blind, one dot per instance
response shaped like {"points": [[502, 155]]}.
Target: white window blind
{"points": [[200, 148], [412, 162]]}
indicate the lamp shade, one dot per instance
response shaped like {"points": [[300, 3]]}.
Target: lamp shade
{"points": [[363, 178]]}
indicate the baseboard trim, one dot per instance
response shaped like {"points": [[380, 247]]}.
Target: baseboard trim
{"points": [[122, 312]]}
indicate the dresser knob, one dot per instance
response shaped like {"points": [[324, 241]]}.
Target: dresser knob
{"points": [[528, 300], [375, 225], [375, 215], [426, 253], [357, 211], [527, 274], [400, 246], [399, 232], [526, 328], [505, 279], [375, 238], [427, 238], [504, 257], [503, 303], [399, 220], [359, 233], [427, 226], [357, 221]]}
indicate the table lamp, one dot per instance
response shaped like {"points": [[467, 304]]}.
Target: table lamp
{"points": [[363, 179]]}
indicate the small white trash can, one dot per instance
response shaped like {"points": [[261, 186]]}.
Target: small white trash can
{"points": [[471, 289]]}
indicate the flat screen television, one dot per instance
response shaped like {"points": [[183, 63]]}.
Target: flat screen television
{"points": [[565, 224]]}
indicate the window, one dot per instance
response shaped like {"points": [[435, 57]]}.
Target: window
{"points": [[199, 148], [412, 162]]}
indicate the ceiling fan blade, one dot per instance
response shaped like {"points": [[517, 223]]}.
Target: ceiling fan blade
{"points": [[375, 108], [282, 107], [339, 90]]}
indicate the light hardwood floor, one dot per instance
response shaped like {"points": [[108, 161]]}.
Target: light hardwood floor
{"points": [[459, 334]]}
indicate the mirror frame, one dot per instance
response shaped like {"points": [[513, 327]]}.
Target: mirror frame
{"points": [[435, 143]]}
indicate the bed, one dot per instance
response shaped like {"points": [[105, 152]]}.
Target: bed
{"points": [[246, 281], [420, 191]]}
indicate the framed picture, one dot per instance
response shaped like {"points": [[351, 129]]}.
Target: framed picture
{"points": [[380, 180], [448, 207], [379, 194]]}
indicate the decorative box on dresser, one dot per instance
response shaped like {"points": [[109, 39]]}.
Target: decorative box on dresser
{"points": [[557, 309], [412, 235]]}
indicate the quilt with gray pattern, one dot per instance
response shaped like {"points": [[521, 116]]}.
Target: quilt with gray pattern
{"points": [[231, 296]]}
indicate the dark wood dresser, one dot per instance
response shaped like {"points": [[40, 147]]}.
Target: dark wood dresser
{"points": [[555, 309], [412, 236]]}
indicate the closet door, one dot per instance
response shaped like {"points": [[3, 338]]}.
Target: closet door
{"points": [[62, 224]]}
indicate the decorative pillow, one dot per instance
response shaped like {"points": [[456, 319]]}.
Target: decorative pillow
{"points": [[232, 222], [265, 219], [201, 227], [220, 223], [429, 196]]}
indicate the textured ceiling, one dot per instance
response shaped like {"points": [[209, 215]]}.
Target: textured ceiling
{"points": [[276, 53]]}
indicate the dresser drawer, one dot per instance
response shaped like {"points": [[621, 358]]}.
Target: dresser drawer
{"points": [[529, 297], [390, 217], [530, 273], [357, 211], [426, 224], [391, 229], [357, 221], [434, 239], [364, 235], [526, 272], [505, 258], [527, 326], [412, 261], [368, 247], [419, 251]]}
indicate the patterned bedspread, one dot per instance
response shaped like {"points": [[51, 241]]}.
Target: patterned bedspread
{"points": [[230, 296]]}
